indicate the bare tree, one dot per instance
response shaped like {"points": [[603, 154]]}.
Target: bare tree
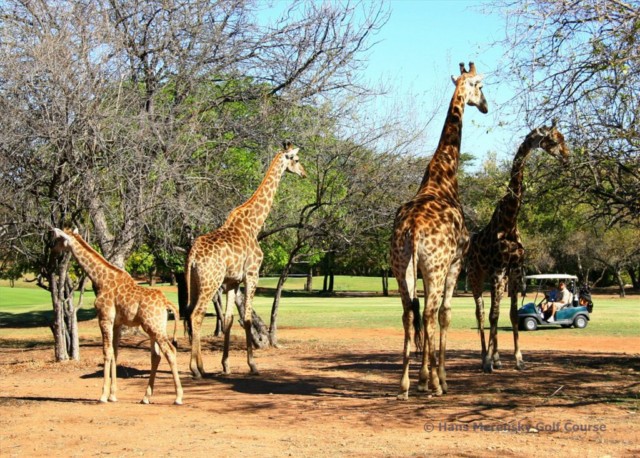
{"points": [[577, 61]]}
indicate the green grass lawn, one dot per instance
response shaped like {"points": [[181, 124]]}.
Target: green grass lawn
{"points": [[29, 306]]}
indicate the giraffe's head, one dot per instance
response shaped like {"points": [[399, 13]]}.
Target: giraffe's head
{"points": [[62, 240], [292, 160], [469, 83], [551, 140]]}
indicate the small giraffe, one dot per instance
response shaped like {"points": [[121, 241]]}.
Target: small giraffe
{"points": [[121, 301], [231, 255], [497, 253], [429, 234]]}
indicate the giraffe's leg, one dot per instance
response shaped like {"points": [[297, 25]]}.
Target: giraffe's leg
{"points": [[514, 281], [423, 375], [197, 316], [227, 323], [117, 333], [431, 310], [170, 352], [251, 283], [476, 288], [407, 323], [444, 319], [492, 358], [155, 360], [433, 294], [106, 326]]}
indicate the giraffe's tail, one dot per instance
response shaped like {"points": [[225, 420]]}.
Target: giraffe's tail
{"points": [[190, 276], [176, 317], [417, 324], [415, 303]]}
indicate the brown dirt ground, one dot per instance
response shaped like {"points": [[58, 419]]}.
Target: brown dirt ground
{"points": [[328, 392]]}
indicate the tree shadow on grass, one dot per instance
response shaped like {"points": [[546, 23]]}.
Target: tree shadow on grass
{"points": [[38, 319]]}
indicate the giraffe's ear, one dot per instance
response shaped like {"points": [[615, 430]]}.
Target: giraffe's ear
{"points": [[75, 230], [454, 80], [291, 153], [60, 233]]}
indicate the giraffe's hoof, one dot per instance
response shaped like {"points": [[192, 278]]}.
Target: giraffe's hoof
{"points": [[497, 364], [177, 402], [520, 365], [112, 398], [102, 400], [404, 396], [438, 391], [145, 401], [487, 368], [422, 387], [444, 387]]}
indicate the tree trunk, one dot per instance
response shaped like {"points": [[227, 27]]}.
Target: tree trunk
{"points": [[385, 282], [152, 275], [273, 326], [618, 273], [308, 286], [71, 321], [65, 323], [259, 330], [635, 281]]}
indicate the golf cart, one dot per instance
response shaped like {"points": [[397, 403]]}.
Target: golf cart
{"points": [[576, 313]]}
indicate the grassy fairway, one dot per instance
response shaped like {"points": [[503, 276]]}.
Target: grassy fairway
{"points": [[29, 306]]}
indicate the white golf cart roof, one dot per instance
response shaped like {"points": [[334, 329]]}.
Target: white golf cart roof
{"points": [[551, 277]]}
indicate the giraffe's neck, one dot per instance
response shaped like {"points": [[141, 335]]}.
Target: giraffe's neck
{"points": [[96, 267], [253, 213], [506, 212], [442, 171]]}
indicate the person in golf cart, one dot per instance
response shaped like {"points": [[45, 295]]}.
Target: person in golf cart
{"points": [[556, 300]]}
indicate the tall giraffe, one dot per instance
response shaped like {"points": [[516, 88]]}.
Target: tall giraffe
{"points": [[429, 234], [496, 252], [231, 255], [121, 301]]}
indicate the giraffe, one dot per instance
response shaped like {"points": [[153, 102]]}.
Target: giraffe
{"points": [[429, 234], [121, 301], [231, 255], [496, 252]]}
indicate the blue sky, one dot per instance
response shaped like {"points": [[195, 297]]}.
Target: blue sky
{"points": [[415, 54], [419, 49]]}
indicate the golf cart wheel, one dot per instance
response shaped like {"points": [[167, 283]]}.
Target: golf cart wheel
{"points": [[529, 324], [580, 322]]}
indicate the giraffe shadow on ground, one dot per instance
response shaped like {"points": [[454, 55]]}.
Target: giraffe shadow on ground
{"points": [[123, 372]]}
